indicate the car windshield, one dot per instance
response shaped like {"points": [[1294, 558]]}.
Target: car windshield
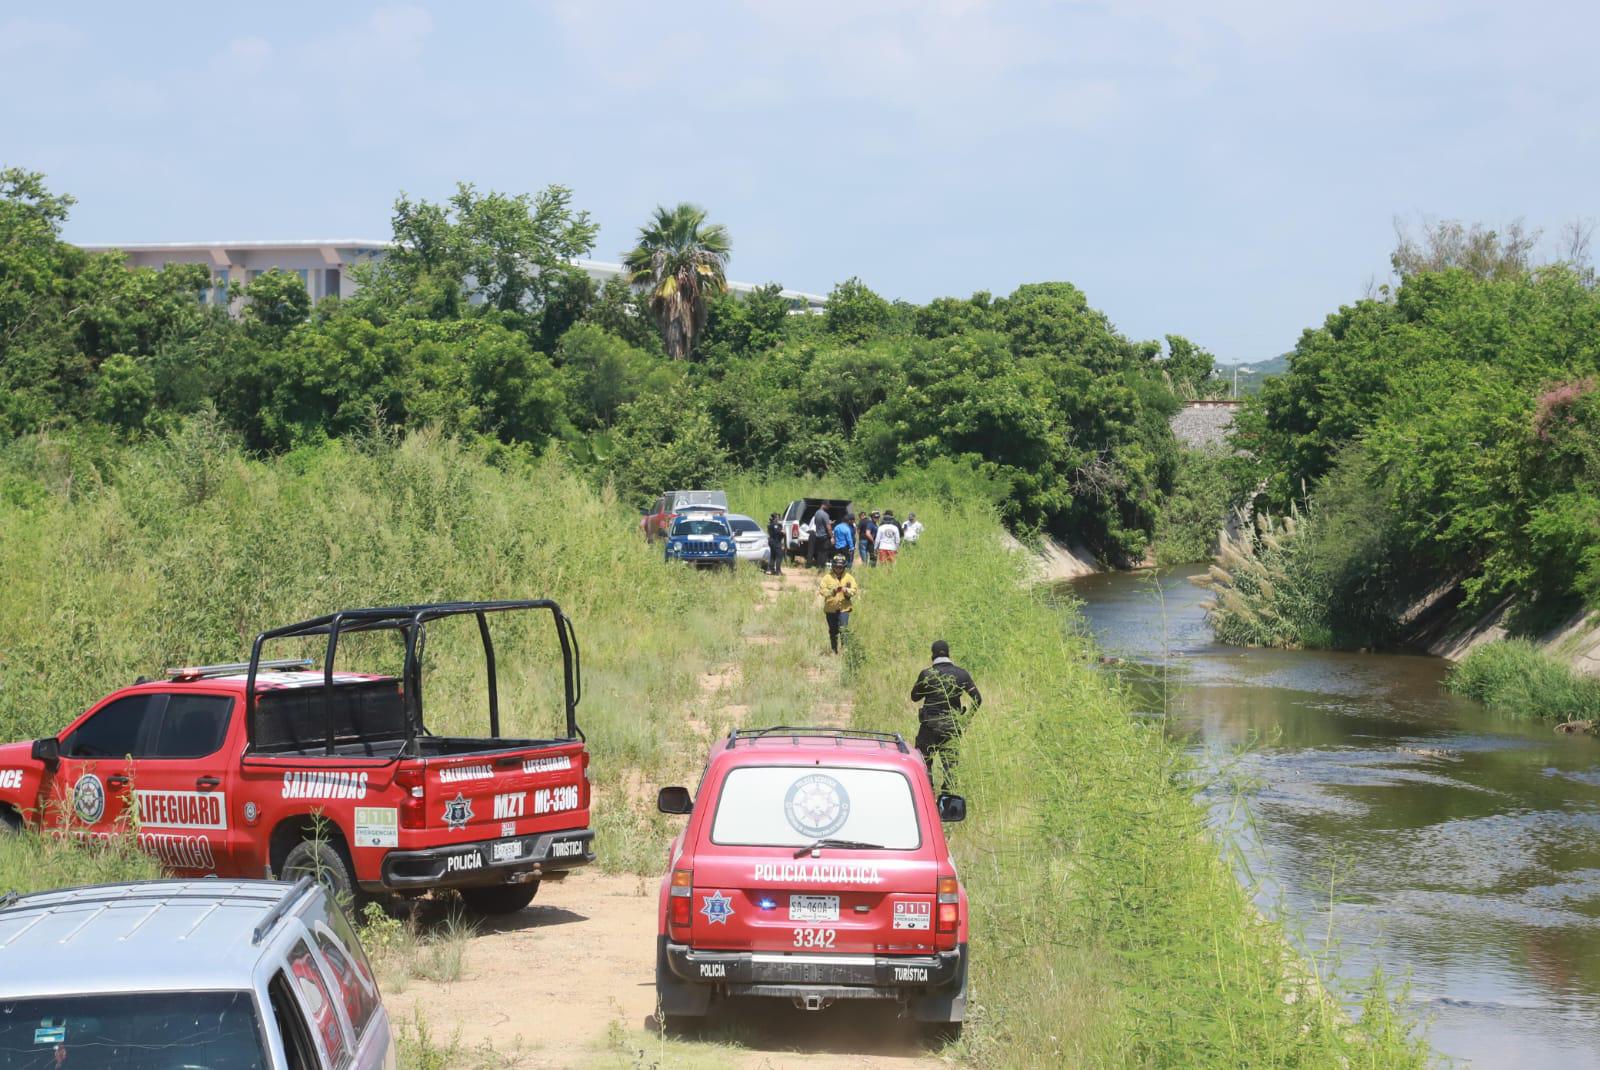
{"points": [[743, 525], [794, 806], [700, 526], [132, 1031], [700, 499]]}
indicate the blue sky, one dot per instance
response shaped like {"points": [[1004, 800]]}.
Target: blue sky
{"points": [[1229, 171]]}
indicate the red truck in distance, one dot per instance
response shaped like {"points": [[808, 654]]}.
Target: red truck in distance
{"points": [[268, 767], [813, 868]]}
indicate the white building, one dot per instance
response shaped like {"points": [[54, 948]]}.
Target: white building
{"points": [[324, 265]]}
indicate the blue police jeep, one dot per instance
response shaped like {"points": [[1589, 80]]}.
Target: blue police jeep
{"points": [[702, 539]]}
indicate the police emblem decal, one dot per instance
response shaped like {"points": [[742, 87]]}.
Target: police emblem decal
{"points": [[458, 811], [717, 908], [89, 798], [816, 806]]}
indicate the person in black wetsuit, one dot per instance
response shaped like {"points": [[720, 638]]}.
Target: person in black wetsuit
{"points": [[939, 688], [775, 545]]}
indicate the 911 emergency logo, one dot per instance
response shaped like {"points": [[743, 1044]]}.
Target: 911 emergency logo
{"points": [[458, 811], [89, 798], [817, 806]]}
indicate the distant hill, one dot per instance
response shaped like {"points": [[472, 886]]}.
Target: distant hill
{"points": [[1250, 380]]}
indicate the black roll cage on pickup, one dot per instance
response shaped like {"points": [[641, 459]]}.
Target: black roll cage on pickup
{"points": [[411, 622]]}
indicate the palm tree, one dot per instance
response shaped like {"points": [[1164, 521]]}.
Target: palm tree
{"points": [[680, 260]]}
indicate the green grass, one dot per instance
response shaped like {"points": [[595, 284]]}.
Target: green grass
{"points": [[33, 863], [1515, 677]]}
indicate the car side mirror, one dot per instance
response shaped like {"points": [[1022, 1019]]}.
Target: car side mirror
{"points": [[952, 808], [674, 801], [47, 751]]}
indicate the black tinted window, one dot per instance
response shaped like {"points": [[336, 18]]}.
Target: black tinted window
{"points": [[700, 527], [740, 525], [297, 719], [193, 726], [116, 730], [132, 1031]]}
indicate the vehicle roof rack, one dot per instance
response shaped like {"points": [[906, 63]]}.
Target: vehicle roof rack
{"points": [[234, 668], [280, 908], [838, 735]]}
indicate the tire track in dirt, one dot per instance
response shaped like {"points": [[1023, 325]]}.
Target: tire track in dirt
{"points": [[570, 981]]}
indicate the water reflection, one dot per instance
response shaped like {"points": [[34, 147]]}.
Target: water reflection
{"points": [[1460, 848]]}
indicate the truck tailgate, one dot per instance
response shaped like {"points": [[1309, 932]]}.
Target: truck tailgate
{"points": [[508, 792]]}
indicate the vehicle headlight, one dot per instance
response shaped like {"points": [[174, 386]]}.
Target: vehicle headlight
{"points": [[722, 544]]}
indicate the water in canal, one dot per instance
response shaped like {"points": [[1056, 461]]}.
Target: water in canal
{"points": [[1462, 848]]}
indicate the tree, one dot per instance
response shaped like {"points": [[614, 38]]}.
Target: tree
{"points": [[680, 260], [1479, 250], [1190, 370], [744, 325], [855, 312], [277, 302], [601, 373], [503, 253], [31, 255]]}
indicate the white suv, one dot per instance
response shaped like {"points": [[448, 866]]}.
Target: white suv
{"points": [[222, 974]]}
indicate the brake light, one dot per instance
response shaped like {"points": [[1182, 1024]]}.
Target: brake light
{"points": [[679, 911], [413, 806], [949, 905]]}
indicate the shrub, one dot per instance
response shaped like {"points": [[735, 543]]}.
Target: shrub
{"points": [[1516, 677]]}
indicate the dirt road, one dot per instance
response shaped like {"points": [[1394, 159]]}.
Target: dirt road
{"points": [[570, 982]]}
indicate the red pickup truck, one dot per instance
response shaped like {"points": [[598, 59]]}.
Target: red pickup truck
{"points": [[271, 767]]}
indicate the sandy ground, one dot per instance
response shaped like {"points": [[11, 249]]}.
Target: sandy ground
{"points": [[570, 981]]}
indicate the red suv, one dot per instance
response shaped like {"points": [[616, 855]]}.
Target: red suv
{"points": [[813, 868]]}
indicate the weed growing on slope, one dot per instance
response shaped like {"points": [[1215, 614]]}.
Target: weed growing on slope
{"points": [[1513, 676]]}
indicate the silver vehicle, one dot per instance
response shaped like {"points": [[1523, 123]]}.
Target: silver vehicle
{"points": [[163, 975], [749, 539]]}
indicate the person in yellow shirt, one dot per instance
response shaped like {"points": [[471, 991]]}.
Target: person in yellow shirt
{"points": [[839, 594]]}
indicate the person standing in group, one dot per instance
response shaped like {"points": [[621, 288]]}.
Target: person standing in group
{"points": [[844, 539], [867, 537], [821, 537], [775, 546], [839, 593], [913, 529], [939, 688], [887, 545]]}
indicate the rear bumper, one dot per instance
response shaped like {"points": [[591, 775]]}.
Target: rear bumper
{"points": [[868, 976], [484, 863]]}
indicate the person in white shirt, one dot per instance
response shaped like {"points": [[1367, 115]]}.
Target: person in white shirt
{"points": [[888, 539], [913, 529]]}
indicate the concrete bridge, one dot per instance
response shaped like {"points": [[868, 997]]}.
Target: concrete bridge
{"points": [[1204, 423]]}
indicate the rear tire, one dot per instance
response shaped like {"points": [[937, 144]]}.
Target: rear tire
{"points": [[326, 863], [500, 899]]}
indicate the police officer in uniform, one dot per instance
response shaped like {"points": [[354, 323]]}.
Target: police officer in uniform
{"points": [[939, 688]]}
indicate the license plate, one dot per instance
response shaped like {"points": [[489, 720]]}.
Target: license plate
{"points": [[506, 852], [813, 908]]}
